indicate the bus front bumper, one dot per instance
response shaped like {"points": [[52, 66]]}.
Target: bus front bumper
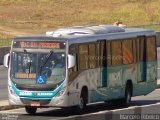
{"points": [[60, 101]]}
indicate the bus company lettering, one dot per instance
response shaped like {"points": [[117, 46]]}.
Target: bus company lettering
{"points": [[25, 93], [44, 94], [25, 75]]}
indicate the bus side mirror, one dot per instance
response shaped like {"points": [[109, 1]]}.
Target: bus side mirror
{"points": [[71, 61], [6, 60]]}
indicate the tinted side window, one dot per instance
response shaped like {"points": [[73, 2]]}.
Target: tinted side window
{"points": [[127, 52], [92, 56], [142, 48], [83, 56], [102, 53], [116, 53], [73, 51], [108, 53], [151, 48]]}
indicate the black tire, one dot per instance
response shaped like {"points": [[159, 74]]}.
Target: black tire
{"points": [[81, 108], [128, 94], [30, 110]]}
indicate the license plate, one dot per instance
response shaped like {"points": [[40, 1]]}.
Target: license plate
{"points": [[35, 104]]}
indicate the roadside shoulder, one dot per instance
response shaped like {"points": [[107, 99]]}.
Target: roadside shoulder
{"points": [[4, 105]]}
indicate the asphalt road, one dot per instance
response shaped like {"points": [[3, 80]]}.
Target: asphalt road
{"points": [[3, 83], [158, 57]]}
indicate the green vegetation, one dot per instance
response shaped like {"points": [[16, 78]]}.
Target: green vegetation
{"points": [[5, 40], [153, 27], [38, 16]]}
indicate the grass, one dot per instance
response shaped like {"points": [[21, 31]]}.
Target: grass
{"points": [[5, 40], [155, 27], [38, 16]]}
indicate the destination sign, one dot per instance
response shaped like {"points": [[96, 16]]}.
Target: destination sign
{"points": [[39, 44]]}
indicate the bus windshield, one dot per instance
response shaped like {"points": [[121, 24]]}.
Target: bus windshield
{"points": [[29, 64]]}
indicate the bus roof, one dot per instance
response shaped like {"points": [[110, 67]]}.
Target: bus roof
{"points": [[88, 34]]}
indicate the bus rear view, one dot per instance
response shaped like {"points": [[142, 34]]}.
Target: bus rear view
{"points": [[37, 72]]}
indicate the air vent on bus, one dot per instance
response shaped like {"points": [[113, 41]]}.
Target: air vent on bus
{"points": [[104, 29], [82, 30]]}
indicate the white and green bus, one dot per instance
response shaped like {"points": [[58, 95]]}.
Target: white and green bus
{"points": [[76, 66]]}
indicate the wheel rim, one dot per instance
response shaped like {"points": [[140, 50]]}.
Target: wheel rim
{"points": [[128, 99], [81, 103]]}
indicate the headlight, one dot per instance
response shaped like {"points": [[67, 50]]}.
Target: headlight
{"points": [[11, 90]]}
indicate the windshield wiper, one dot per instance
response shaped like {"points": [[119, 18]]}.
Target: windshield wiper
{"points": [[45, 62]]}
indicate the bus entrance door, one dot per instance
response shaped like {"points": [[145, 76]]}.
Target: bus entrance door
{"points": [[103, 63], [142, 66]]}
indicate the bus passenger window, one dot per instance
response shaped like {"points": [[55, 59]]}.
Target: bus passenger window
{"points": [[98, 55], [108, 53], [134, 51], [142, 48], [92, 56], [102, 57], [138, 49], [83, 56], [73, 51], [116, 53], [151, 49], [127, 52]]}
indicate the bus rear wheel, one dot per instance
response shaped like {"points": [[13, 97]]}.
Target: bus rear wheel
{"points": [[128, 94], [30, 110]]}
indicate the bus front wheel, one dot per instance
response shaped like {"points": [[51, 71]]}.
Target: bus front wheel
{"points": [[81, 107], [30, 110]]}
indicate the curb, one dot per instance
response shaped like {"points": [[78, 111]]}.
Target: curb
{"points": [[4, 105], [158, 85], [130, 113], [9, 107]]}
